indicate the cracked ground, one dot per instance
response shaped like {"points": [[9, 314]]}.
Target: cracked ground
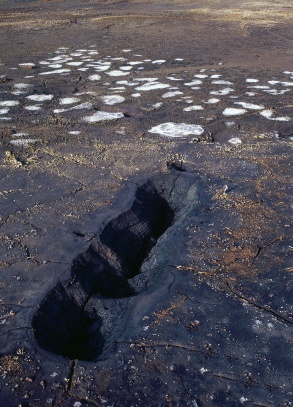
{"points": [[212, 325]]}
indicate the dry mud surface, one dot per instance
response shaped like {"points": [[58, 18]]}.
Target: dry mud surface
{"points": [[146, 203]]}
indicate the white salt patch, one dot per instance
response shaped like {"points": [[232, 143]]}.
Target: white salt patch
{"points": [[27, 64], [126, 50], [192, 108], [93, 53], [44, 63], [195, 88], [18, 92], [127, 83], [76, 54], [212, 101], [274, 82], [140, 68], [121, 132], [221, 82], [157, 105], [21, 88], [22, 85], [5, 118], [178, 59], [23, 141], [222, 92], [85, 105], [68, 101], [174, 79], [4, 111], [55, 66], [83, 69], [250, 93], [268, 115], [60, 58], [231, 111], [195, 82], [177, 129], [102, 116], [74, 132], [94, 77], [117, 73], [200, 76], [112, 99], [57, 71], [288, 73], [82, 50], [215, 76], [74, 63], [135, 63], [33, 107], [286, 83], [229, 124], [40, 98], [235, 140], [20, 134], [86, 93], [152, 86], [147, 60], [203, 370], [125, 68], [146, 79], [29, 76], [249, 105], [259, 87], [136, 95], [99, 68], [171, 94], [276, 91], [120, 88], [250, 80], [9, 103], [159, 61]]}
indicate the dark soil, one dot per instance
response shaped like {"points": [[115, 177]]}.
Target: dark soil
{"points": [[138, 269]]}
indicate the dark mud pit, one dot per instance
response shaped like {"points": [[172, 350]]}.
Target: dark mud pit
{"points": [[146, 204]]}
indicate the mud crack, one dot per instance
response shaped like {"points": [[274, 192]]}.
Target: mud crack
{"points": [[80, 318]]}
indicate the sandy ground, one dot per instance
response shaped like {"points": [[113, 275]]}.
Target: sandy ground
{"points": [[192, 102]]}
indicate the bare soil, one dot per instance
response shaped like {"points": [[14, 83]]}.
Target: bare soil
{"points": [[138, 269]]}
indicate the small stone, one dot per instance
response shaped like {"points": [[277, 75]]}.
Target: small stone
{"points": [[43, 384]]}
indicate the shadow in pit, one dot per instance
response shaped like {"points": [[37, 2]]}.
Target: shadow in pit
{"points": [[65, 323]]}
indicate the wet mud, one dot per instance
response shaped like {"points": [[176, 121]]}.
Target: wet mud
{"points": [[146, 204]]}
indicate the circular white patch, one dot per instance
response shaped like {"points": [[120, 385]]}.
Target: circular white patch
{"points": [[177, 129], [232, 111], [40, 98], [112, 99]]}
